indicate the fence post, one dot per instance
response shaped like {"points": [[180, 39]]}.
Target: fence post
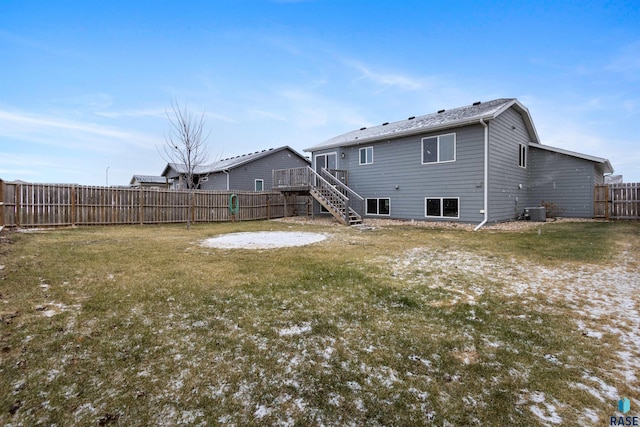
{"points": [[1, 204], [18, 197], [141, 205], [607, 204], [73, 205]]}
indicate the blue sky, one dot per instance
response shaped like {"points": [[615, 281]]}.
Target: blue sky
{"points": [[84, 85]]}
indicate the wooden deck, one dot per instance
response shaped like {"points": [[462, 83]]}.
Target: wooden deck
{"points": [[327, 187]]}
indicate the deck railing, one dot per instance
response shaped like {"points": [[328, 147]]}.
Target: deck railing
{"points": [[327, 187], [292, 178]]}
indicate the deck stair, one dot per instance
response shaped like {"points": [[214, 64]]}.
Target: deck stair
{"points": [[336, 197]]}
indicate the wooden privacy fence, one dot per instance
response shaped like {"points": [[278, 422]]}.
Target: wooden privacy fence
{"points": [[41, 205], [617, 201]]}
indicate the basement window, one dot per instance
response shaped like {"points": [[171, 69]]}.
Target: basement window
{"points": [[522, 159], [439, 149], [366, 156], [441, 207], [378, 206]]}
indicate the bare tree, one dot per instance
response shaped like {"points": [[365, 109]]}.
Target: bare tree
{"points": [[185, 146]]}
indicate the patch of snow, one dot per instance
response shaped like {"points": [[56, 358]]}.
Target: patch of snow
{"points": [[261, 411], [591, 415], [549, 414], [354, 386], [603, 297], [602, 392], [551, 358], [295, 330], [263, 240], [189, 417], [85, 408]]}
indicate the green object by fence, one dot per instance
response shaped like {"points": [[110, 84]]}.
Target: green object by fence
{"points": [[234, 205]]}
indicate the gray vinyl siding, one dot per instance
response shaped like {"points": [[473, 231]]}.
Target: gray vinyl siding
{"points": [[242, 178], [563, 180], [398, 163], [217, 181], [507, 180]]}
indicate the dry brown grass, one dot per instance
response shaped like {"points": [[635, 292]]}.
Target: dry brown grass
{"points": [[400, 325]]}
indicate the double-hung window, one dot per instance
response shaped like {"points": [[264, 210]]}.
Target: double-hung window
{"points": [[366, 155], [378, 206], [439, 149], [442, 207], [522, 158]]}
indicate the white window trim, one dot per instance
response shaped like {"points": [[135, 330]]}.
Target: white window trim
{"points": [[455, 149], [332, 153], [377, 199], [523, 149], [255, 184], [441, 208], [369, 161]]}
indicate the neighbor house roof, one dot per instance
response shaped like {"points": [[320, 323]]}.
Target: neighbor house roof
{"points": [[230, 162], [443, 119], [604, 164], [148, 179]]}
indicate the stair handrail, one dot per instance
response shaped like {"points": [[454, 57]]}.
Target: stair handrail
{"points": [[357, 207], [322, 184], [328, 184]]}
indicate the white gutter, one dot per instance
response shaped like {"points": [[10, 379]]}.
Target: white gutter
{"points": [[226, 172], [486, 175]]}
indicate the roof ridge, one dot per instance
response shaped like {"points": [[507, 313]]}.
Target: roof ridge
{"points": [[432, 121]]}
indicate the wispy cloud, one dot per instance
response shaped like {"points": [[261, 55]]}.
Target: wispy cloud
{"points": [[386, 80], [150, 112], [627, 61], [311, 109], [51, 130], [268, 115]]}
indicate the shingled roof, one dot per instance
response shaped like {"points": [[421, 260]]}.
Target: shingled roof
{"points": [[228, 163], [148, 179], [441, 120]]}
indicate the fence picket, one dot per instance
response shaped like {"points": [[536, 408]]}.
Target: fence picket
{"points": [[37, 205], [617, 201]]}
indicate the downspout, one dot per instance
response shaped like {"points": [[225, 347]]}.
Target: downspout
{"points": [[486, 176], [226, 172]]}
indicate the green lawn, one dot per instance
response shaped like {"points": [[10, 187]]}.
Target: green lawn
{"points": [[400, 325]]}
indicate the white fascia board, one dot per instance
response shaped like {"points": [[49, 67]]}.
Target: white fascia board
{"points": [[576, 154]]}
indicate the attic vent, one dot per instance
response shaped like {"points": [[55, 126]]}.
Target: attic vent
{"points": [[411, 118], [385, 123], [363, 128], [440, 111], [477, 103]]}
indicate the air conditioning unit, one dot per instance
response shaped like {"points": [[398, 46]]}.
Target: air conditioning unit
{"points": [[538, 214]]}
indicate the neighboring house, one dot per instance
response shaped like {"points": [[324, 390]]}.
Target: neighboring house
{"points": [[480, 163], [148, 181], [613, 179], [248, 172]]}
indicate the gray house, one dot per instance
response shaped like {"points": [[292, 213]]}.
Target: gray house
{"points": [[149, 181], [476, 164], [248, 172]]}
